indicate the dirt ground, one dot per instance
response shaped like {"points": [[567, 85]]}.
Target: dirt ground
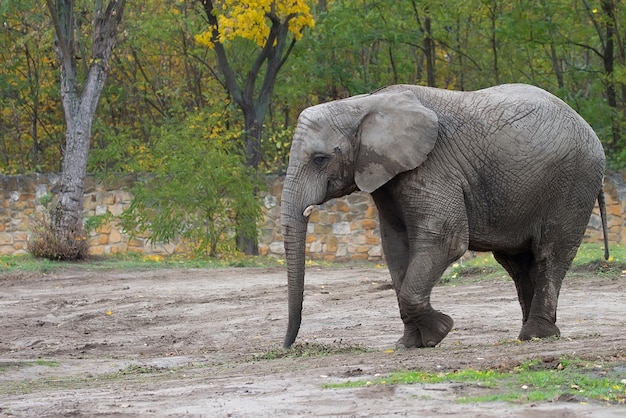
{"points": [[183, 342]]}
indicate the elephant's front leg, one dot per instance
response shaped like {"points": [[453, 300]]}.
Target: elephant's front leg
{"points": [[396, 248], [423, 325]]}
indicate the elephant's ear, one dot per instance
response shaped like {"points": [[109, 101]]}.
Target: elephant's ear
{"points": [[397, 133]]}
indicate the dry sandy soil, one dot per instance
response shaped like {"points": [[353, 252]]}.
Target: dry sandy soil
{"points": [[183, 342]]}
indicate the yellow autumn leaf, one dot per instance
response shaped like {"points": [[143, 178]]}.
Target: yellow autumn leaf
{"points": [[252, 19]]}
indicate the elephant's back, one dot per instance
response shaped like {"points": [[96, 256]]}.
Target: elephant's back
{"points": [[522, 125]]}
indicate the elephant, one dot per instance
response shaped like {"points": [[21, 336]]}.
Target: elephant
{"points": [[509, 169]]}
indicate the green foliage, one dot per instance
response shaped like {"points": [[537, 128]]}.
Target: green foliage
{"points": [[531, 381], [160, 75], [92, 223], [200, 190], [276, 149]]}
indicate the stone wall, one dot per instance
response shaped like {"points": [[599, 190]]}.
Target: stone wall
{"points": [[21, 206], [342, 229], [339, 230]]}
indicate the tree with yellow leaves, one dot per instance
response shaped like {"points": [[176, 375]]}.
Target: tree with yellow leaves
{"points": [[274, 26]]}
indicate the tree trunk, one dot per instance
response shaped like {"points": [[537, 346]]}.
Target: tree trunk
{"points": [[252, 100], [428, 44], [608, 8], [493, 14], [79, 106], [79, 116]]}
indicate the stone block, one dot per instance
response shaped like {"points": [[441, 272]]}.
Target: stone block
{"points": [[614, 210], [355, 249], [342, 206], [20, 236], [371, 212], [115, 236], [101, 210], [369, 224], [116, 209], [41, 190], [24, 225], [135, 243], [277, 248], [375, 251], [358, 238], [331, 245], [341, 228], [358, 197], [359, 257], [6, 239], [121, 248], [105, 228], [315, 247], [124, 197], [6, 249], [330, 258], [96, 250], [108, 198], [323, 217], [321, 229], [104, 239]]}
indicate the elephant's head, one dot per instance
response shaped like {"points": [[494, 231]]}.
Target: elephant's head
{"points": [[338, 147]]}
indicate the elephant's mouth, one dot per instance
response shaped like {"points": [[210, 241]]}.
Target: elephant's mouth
{"points": [[335, 188]]}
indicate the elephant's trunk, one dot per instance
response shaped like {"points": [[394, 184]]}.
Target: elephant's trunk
{"points": [[294, 225]]}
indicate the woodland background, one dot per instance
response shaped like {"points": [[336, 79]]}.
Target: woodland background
{"points": [[166, 107]]}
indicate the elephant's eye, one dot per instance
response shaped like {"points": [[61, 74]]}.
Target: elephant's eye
{"points": [[319, 159]]}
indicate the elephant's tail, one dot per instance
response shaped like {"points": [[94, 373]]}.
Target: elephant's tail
{"points": [[605, 232]]}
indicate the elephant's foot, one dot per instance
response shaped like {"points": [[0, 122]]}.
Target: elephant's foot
{"points": [[411, 338], [536, 327], [427, 331]]}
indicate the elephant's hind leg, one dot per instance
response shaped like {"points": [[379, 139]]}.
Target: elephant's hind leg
{"points": [[547, 272], [518, 266]]}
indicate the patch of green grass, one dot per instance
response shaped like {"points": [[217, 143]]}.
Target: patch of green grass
{"points": [[135, 261], [4, 365], [131, 261], [589, 259], [483, 265], [531, 382], [485, 378], [47, 363], [304, 350]]}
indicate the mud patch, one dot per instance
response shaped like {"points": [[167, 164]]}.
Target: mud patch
{"points": [[208, 343]]}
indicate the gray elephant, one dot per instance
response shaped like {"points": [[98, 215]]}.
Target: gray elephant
{"points": [[509, 169]]}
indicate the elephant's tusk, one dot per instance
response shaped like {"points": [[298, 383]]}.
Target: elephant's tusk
{"points": [[309, 209]]}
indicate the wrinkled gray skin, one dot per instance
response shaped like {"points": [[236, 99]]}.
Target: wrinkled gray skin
{"points": [[509, 169]]}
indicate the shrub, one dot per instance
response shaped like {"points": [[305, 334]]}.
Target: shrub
{"points": [[49, 241], [200, 190]]}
